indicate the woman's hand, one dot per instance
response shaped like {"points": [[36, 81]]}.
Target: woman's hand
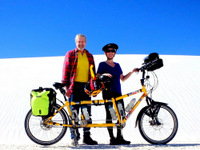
{"points": [[107, 74], [135, 70]]}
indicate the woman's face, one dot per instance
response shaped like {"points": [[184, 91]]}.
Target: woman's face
{"points": [[110, 53]]}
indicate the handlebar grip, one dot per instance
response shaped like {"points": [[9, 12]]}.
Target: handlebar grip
{"points": [[92, 72]]}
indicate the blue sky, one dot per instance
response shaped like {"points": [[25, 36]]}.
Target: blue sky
{"points": [[40, 28]]}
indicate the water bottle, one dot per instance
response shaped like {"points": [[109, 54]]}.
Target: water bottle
{"points": [[130, 105], [112, 112], [121, 110], [75, 115], [85, 113]]}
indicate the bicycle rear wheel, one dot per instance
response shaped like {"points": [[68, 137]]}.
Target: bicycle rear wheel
{"points": [[45, 134], [159, 128]]}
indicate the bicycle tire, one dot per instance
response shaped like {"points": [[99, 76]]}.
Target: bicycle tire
{"points": [[45, 134], [162, 132]]}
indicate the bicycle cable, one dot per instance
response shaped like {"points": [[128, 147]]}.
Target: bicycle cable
{"points": [[149, 85]]}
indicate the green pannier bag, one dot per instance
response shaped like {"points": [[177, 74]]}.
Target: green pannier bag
{"points": [[42, 101]]}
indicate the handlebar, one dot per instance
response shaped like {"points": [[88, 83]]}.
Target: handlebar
{"points": [[59, 86], [148, 65]]}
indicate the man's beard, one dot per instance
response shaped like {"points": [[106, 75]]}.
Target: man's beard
{"points": [[81, 49]]}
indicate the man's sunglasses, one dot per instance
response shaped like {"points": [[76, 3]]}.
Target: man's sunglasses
{"points": [[108, 51]]}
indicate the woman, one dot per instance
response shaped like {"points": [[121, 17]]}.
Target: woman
{"points": [[114, 71]]}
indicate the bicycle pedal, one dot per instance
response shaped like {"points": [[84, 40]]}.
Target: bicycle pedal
{"points": [[84, 123], [123, 125]]}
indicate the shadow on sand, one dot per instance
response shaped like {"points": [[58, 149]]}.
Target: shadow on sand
{"points": [[106, 146]]}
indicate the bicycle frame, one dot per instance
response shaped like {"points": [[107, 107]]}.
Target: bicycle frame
{"points": [[121, 121], [156, 121]]}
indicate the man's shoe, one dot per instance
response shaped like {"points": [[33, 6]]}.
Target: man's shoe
{"points": [[74, 142], [120, 140], [89, 141]]}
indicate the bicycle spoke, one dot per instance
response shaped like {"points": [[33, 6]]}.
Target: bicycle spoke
{"points": [[42, 133], [161, 129]]}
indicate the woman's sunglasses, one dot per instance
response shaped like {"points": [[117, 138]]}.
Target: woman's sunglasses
{"points": [[108, 51]]}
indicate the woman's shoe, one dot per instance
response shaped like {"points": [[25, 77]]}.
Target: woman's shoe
{"points": [[113, 141], [120, 140]]}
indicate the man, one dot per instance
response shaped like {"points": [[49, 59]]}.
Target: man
{"points": [[114, 71], [76, 73]]}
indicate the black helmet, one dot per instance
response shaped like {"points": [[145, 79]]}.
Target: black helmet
{"points": [[105, 80], [110, 45]]}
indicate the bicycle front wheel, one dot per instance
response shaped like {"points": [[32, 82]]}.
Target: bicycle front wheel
{"points": [[159, 128], [43, 134]]}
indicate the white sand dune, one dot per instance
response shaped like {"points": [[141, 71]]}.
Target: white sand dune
{"points": [[178, 86]]}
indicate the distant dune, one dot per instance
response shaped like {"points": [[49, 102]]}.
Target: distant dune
{"points": [[179, 84]]}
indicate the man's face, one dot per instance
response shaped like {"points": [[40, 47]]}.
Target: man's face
{"points": [[81, 43]]}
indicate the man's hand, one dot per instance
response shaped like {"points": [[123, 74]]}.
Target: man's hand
{"points": [[68, 93]]}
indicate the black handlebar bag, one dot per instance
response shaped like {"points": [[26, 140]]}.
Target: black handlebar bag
{"points": [[153, 62]]}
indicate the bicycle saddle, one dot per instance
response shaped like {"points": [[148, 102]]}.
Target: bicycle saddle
{"points": [[58, 85]]}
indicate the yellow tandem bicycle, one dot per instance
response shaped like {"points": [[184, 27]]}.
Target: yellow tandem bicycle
{"points": [[157, 122]]}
